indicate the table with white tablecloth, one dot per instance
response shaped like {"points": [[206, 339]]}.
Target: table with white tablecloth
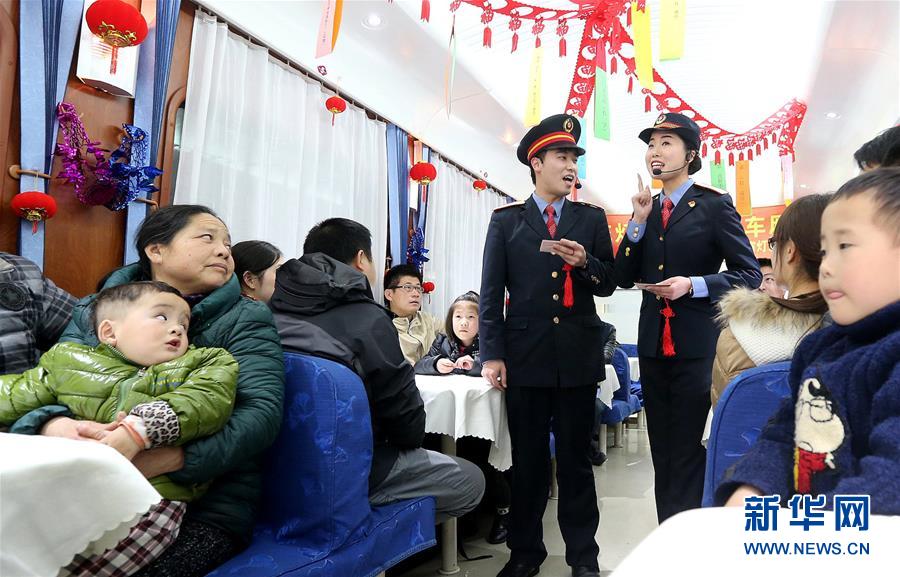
{"points": [[607, 387], [463, 406], [60, 497], [634, 367], [715, 542]]}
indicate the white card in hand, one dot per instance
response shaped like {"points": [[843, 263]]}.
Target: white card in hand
{"points": [[548, 245]]}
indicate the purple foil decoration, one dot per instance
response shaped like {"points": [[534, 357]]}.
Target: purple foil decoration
{"points": [[113, 182], [91, 191]]}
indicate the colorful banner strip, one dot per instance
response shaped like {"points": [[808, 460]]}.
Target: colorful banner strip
{"points": [[643, 51], [742, 188], [787, 178], [717, 175], [533, 103], [601, 105], [671, 29]]}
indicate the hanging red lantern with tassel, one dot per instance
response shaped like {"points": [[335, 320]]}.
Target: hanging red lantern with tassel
{"points": [[335, 105], [117, 24], [33, 206], [479, 185], [423, 173]]}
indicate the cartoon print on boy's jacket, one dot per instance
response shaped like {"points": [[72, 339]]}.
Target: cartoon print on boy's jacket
{"points": [[818, 433]]}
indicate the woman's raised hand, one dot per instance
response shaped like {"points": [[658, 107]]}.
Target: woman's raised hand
{"points": [[641, 202]]}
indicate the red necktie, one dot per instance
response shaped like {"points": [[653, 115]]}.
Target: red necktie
{"points": [[568, 294], [667, 207], [551, 220]]}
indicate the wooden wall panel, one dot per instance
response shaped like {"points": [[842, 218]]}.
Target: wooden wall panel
{"points": [[82, 243], [9, 130]]}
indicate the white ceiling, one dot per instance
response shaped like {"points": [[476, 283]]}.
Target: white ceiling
{"points": [[742, 61]]}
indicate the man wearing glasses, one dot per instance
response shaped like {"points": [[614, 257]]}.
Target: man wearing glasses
{"points": [[403, 296]]}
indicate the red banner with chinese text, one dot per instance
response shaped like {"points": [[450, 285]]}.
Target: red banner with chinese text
{"points": [[759, 226]]}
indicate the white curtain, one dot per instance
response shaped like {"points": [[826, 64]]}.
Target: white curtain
{"points": [[458, 217], [259, 149]]}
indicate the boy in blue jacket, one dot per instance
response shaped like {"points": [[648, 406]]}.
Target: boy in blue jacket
{"points": [[839, 433]]}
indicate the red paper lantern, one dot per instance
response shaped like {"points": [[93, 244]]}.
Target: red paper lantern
{"points": [[33, 206], [116, 23], [479, 185], [335, 105], [428, 287], [423, 173]]}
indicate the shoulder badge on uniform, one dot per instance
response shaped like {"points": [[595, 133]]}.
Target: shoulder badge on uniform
{"points": [[584, 203], [711, 188], [511, 204]]}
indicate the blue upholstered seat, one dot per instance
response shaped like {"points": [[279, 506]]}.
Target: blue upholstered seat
{"points": [[743, 410], [316, 518]]}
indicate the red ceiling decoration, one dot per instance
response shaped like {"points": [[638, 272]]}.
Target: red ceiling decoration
{"points": [[604, 30]]}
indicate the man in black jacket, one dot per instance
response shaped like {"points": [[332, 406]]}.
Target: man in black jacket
{"points": [[323, 307]]}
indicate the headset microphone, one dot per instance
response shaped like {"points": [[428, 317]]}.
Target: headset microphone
{"points": [[657, 172]]}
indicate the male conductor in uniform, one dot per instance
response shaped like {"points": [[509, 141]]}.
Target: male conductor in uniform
{"points": [[552, 256]]}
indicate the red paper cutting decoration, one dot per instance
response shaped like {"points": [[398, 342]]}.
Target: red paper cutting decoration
{"points": [[536, 29], [741, 156], [479, 185], [117, 24], [486, 18], [561, 30], [749, 155], [630, 84], [33, 206], [335, 105], [758, 151], [730, 159], [718, 157], [514, 24], [612, 65], [703, 150], [647, 104], [426, 11]]}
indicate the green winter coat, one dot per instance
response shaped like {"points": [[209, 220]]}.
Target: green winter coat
{"points": [[95, 383], [230, 458]]}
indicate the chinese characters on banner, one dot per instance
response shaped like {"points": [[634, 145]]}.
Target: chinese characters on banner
{"points": [[759, 226]]}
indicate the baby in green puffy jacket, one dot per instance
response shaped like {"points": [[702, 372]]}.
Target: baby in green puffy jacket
{"points": [[143, 367]]}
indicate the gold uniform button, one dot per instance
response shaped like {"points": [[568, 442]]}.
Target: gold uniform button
{"points": [[657, 297], [556, 320], [660, 239], [554, 274], [556, 297], [660, 267]]}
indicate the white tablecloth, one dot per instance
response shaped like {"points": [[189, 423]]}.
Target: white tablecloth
{"points": [[609, 386], [463, 406], [634, 367], [60, 497], [711, 543]]}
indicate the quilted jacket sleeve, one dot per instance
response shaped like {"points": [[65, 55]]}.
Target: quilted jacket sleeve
{"points": [[203, 402], [20, 394]]}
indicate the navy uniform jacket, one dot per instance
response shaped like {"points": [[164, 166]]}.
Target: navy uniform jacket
{"points": [[543, 343], [704, 230]]}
